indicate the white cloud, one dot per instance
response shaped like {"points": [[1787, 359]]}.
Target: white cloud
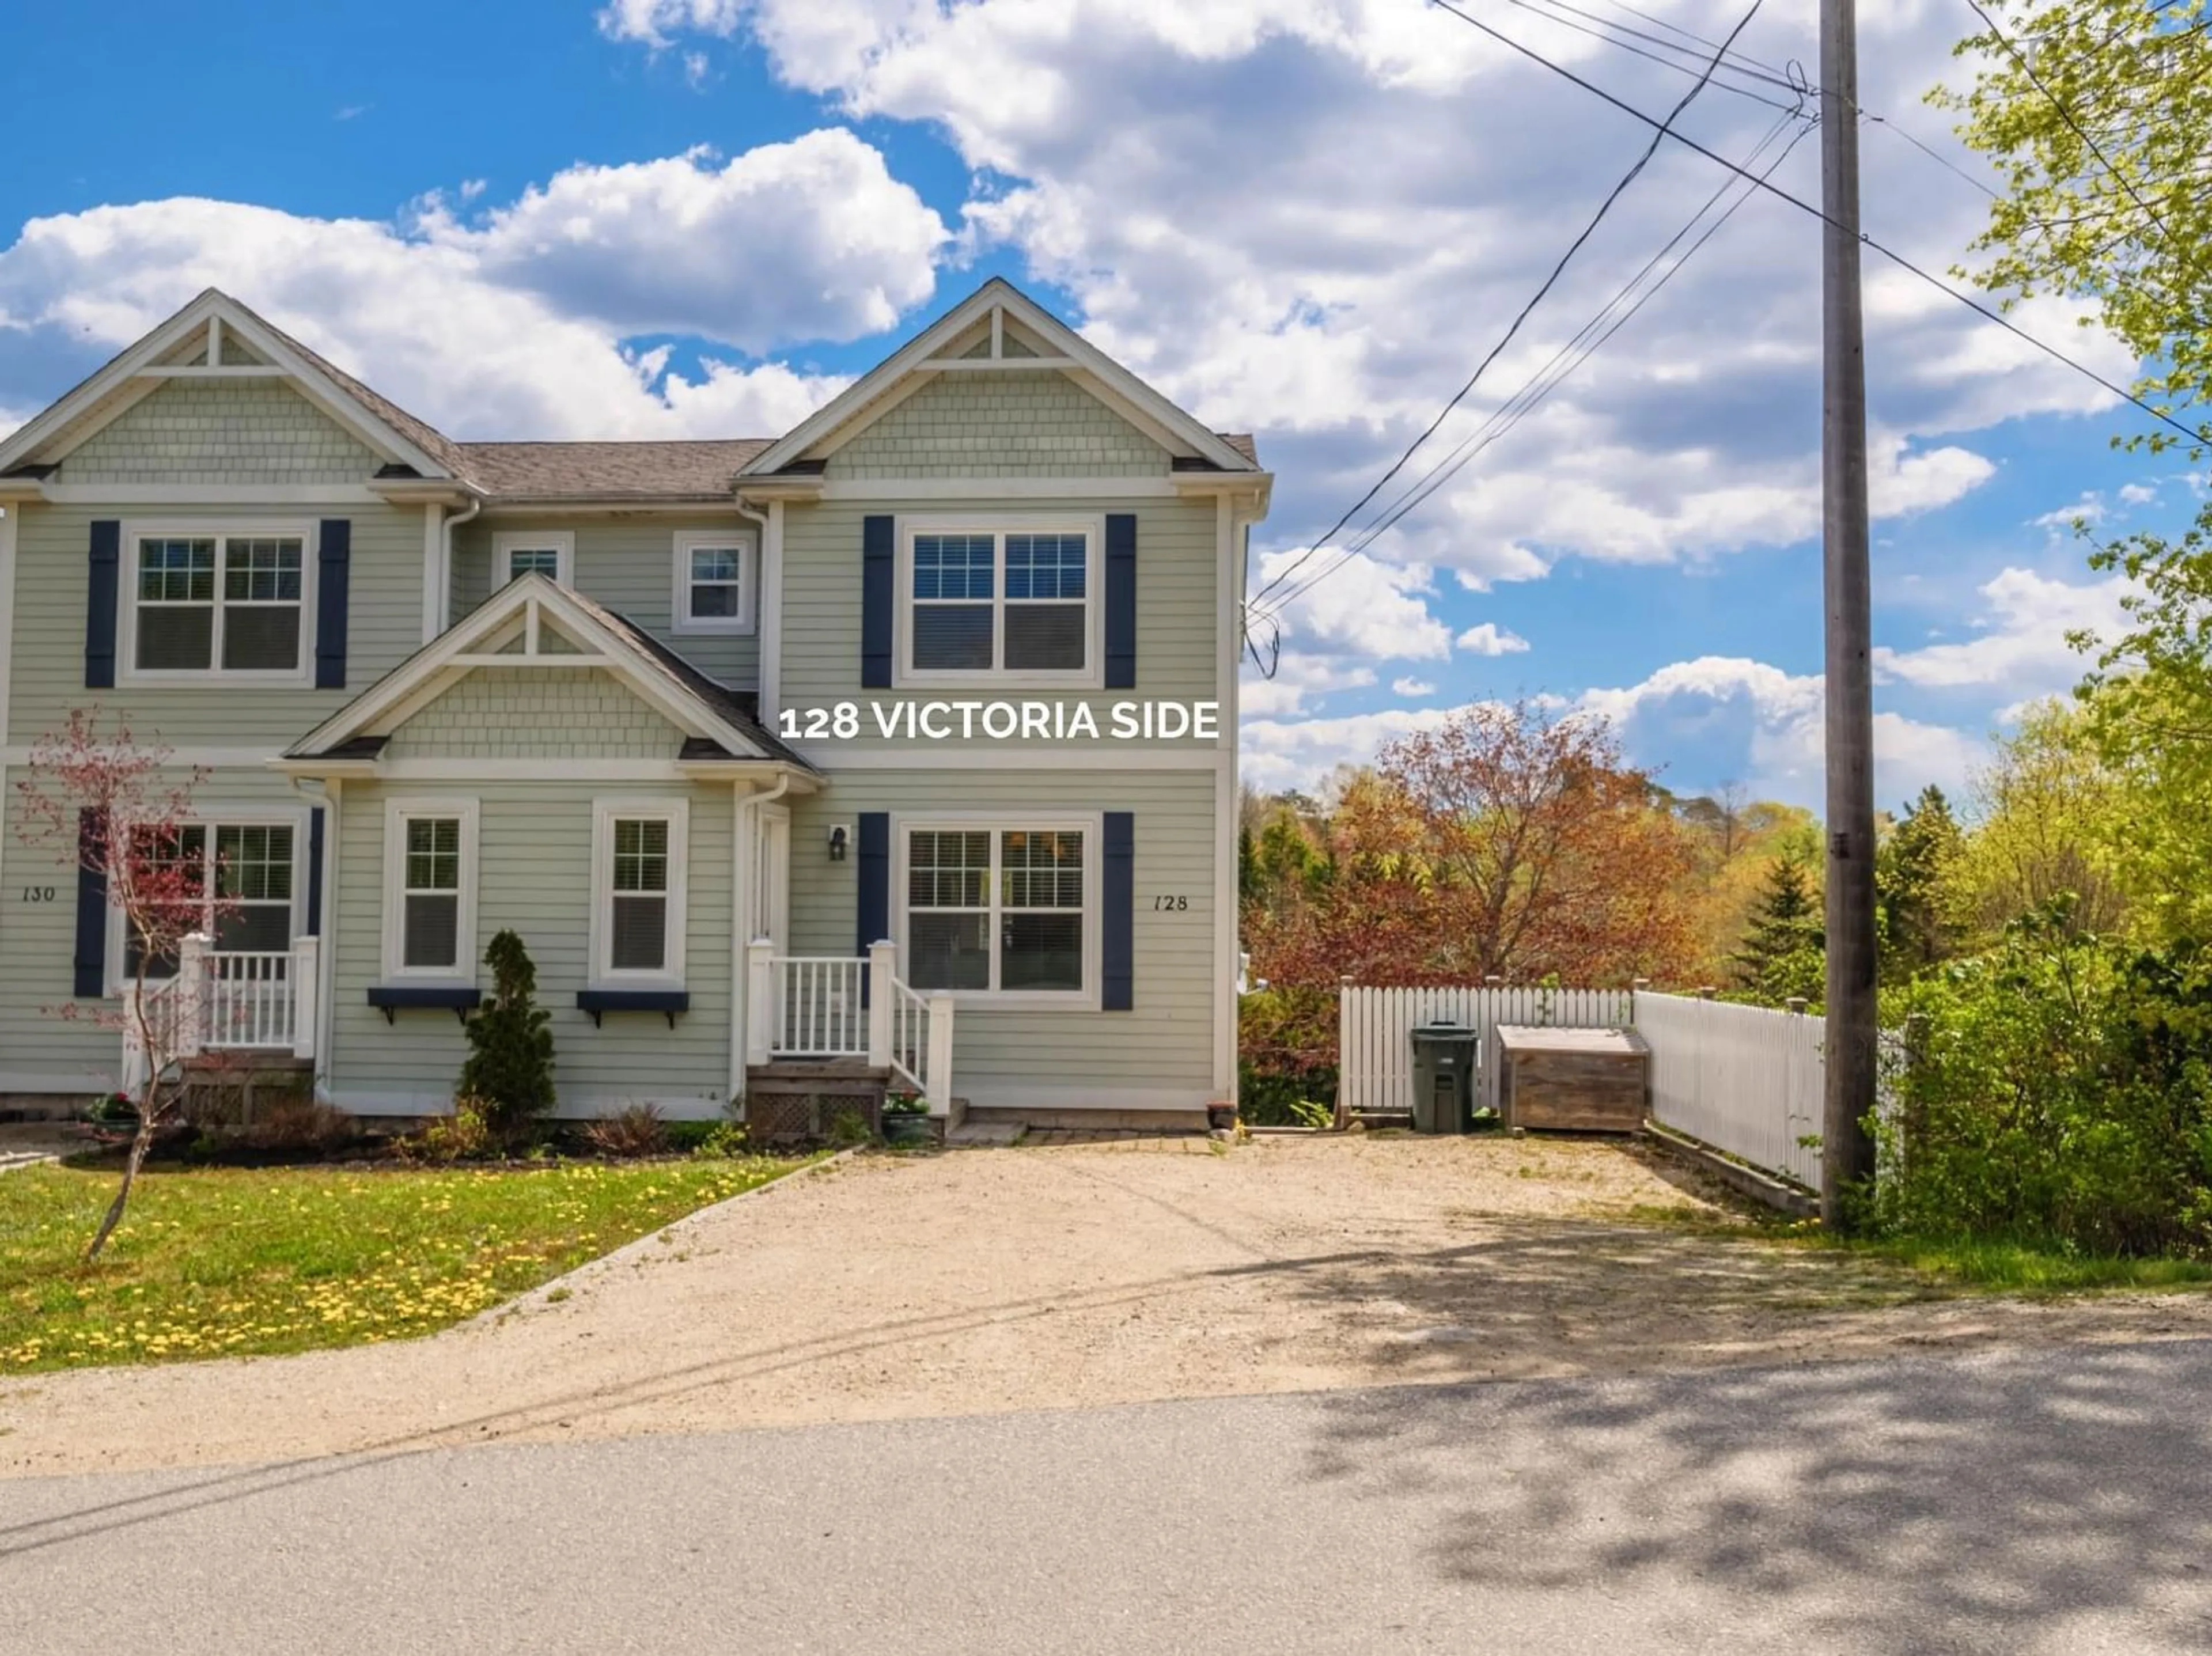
{"points": [[1316, 276], [2020, 649], [1756, 722], [1412, 687], [512, 323], [811, 239], [1488, 639], [1279, 754], [1298, 680], [655, 22], [1365, 607], [2089, 509], [2137, 493]]}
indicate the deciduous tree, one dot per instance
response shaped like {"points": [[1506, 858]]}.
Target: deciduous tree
{"points": [[119, 810]]}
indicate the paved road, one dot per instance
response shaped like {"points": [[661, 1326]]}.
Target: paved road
{"points": [[2054, 1501]]}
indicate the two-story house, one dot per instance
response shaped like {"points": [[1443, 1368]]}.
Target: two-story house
{"points": [[906, 738]]}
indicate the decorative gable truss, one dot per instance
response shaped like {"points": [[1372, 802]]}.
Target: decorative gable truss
{"points": [[558, 647], [218, 372], [999, 336]]}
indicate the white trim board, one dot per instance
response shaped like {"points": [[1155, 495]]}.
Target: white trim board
{"points": [[986, 490], [217, 494]]}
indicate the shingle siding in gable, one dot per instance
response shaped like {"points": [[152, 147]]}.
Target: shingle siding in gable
{"points": [[537, 712], [1015, 424], [213, 431]]}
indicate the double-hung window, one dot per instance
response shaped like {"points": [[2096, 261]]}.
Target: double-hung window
{"points": [[217, 603], [429, 888], [1001, 909], [638, 855], [550, 553], [1015, 601], [249, 877], [714, 582]]}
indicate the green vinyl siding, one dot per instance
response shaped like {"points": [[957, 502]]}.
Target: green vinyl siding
{"points": [[384, 625], [1000, 424], [42, 1051], [1158, 1055], [628, 563], [537, 712], [1177, 598], [215, 431], [534, 875]]}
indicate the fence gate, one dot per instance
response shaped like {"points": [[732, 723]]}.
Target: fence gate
{"points": [[1375, 1028]]}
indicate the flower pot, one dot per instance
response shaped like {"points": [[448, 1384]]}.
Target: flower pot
{"points": [[903, 1128]]}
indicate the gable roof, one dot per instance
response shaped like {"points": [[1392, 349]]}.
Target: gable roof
{"points": [[718, 723], [706, 471], [868, 396], [126, 379]]}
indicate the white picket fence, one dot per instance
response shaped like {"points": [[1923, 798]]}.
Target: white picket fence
{"points": [[1375, 1027], [1745, 1079], [1742, 1078]]}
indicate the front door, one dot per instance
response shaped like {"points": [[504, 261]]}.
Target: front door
{"points": [[772, 902]]}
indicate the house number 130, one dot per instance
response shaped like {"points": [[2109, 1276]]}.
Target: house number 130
{"points": [[1169, 905]]}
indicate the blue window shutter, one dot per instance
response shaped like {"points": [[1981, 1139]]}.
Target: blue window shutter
{"points": [[101, 589], [1121, 601], [879, 596], [91, 981], [333, 579], [315, 872], [1117, 914], [875, 909]]}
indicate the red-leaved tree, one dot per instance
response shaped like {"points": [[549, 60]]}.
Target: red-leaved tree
{"points": [[120, 811], [1508, 842]]}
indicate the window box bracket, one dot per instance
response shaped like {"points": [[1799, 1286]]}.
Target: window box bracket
{"points": [[392, 999], [599, 1002]]}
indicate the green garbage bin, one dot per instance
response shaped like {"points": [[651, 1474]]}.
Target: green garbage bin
{"points": [[1443, 1078]]}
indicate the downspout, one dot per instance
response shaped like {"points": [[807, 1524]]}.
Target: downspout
{"points": [[767, 629], [446, 560], [740, 954]]}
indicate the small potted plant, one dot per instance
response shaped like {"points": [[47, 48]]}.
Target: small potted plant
{"points": [[906, 1119]]}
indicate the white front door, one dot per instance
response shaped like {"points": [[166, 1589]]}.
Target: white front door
{"points": [[772, 902]]}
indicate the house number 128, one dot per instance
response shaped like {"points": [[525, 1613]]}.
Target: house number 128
{"points": [[1169, 905]]}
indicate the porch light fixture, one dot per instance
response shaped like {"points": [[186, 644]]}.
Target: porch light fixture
{"points": [[838, 840]]}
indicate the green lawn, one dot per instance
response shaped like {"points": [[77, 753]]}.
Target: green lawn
{"points": [[230, 1262], [1962, 1265]]}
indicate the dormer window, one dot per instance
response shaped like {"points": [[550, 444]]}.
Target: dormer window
{"points": [[550, 553]]}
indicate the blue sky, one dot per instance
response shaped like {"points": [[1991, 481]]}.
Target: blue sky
{"points": [[1304, 217]]}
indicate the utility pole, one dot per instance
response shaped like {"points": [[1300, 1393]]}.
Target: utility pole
{"points": [[1846, 1147]]}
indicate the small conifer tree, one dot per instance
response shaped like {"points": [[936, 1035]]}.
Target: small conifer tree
{"points": [[509, 1072], [1784, 953]]}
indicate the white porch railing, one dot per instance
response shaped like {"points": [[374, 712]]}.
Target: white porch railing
{"points": [[801, 1007], [221, 1000]]}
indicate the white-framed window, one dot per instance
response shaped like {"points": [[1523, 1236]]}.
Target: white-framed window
{"points": [[1000, 601], [202, 602], [715, 577], [430, 889], [257, 866], [548, 552], [639, 850], [1005, 907]]}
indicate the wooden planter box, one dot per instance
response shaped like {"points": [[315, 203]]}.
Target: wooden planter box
{"points": [[1572, 1080]]}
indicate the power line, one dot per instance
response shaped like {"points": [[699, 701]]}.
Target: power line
{"points": [[1804, 206], [1506, 338], [1549, 10], [1593, 335]]}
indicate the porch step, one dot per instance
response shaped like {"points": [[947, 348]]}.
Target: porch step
{"points": [[801, 1100]]}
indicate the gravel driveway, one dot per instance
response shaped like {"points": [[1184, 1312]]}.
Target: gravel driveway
{"points": [[979, 1281]]}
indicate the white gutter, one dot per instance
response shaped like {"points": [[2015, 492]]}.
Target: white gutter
{"points": [[446, 560]]}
